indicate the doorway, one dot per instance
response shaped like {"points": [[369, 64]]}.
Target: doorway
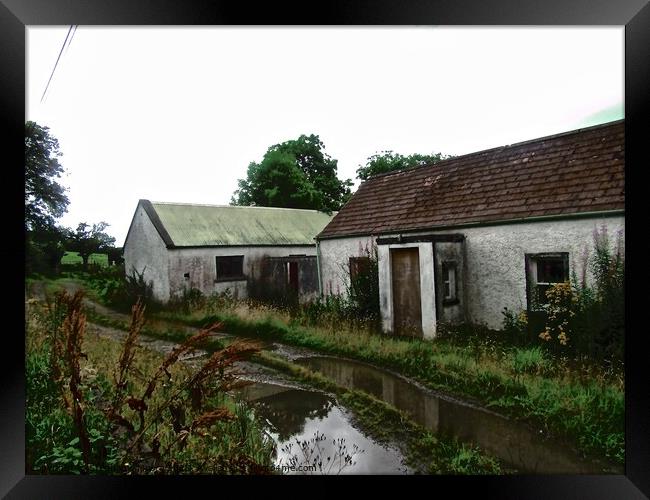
{"points": [[407, 307]]}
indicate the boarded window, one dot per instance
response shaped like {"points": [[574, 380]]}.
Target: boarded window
{"points": [[450, 289], [542, 271], [230, 267]]}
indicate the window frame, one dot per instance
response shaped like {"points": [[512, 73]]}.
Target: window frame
{"points": [[532, 261], [446, 267], [229, 277]]}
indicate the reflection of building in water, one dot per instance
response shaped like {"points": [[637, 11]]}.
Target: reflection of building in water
{"points": [[515, 443], [394, 391]]}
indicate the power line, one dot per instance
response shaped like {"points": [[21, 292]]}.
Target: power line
{"points": [[71, 37], [57, 60]]}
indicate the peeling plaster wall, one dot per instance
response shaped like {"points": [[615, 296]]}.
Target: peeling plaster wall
{"points": [[145, 249], [495, 275], [335, 261], [201, 265]]}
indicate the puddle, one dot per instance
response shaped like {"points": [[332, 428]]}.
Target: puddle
{"points": [[514, 443], [301, 415]]}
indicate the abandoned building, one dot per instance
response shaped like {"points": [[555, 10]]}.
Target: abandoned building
{"points": [[459, 240], [249, 251]]}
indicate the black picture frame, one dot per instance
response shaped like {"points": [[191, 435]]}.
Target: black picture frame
{"points": [[633, 14]]}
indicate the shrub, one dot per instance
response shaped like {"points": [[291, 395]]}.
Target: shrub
{"points": [[191, 300], [590, 320]]}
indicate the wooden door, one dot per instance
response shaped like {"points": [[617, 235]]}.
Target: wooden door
{"points": [[407, 310]]}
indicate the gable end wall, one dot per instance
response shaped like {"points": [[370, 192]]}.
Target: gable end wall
{"points": [[145, 250]]}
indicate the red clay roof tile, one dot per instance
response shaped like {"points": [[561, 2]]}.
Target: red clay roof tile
{"points": [[572, 172]]}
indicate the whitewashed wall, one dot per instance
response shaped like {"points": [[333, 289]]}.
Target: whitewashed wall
{"points": [[145, 250], [201, 264], [495, 267], [334, 261]]}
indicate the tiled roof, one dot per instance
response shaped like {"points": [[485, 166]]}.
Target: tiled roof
{"points": [[568, 173], [188, 225]]}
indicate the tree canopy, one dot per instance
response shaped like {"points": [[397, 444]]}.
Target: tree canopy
{"points": [[86, 240], [45, 199], [389, 161], [294, 174]]}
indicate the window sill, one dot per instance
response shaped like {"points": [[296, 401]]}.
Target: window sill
{"points": [[450, 302]]}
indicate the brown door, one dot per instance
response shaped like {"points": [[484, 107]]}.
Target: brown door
{"points": [[407, 311]]}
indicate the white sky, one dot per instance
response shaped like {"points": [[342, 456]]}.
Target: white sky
{"points": [[177, 114]]}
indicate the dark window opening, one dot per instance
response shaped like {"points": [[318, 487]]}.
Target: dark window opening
{"points": [[230, 268], [449, 283], [542, 272], [186, 276], [359, 266]]}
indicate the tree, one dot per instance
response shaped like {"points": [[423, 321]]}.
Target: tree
{"points": [[389, 161], [87, 240], [45, 199], [45, 248], [294, 174], [115, 255]]}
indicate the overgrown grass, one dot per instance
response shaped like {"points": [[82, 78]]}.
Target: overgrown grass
{"points": [[573, 399], [576, 401], [98, 406]]}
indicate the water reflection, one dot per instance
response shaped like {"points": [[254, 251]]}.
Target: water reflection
{"points": [[516, 444], [300, 415]]}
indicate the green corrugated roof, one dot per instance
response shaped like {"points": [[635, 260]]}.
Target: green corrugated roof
{"points": [[211, 225]]}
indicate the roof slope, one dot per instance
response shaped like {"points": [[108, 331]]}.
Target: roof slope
{"points": [[187, 225], [568, 173]]}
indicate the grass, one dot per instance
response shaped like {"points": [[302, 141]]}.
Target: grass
{"points": [[579, 402], [95, 258], [582, 404], [70, 427]]}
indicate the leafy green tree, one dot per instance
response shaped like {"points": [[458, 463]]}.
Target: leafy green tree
{"points": [[45, 199], [294, 174], [389, 161], [45, 248], [87, 240]]}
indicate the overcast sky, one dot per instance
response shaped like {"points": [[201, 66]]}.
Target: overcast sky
{"points": [[177, 114]]}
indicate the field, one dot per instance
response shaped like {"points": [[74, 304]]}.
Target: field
{"points": [[95, 258]]}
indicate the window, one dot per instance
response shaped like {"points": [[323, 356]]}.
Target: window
{"points": [[449, 288], [230, 268], [542, 271], [359, 265]]}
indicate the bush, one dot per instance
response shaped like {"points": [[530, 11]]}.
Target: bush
{"points": [[590, 320], [120, 290]]}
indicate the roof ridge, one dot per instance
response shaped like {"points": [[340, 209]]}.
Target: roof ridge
{"points": [[232, 206], [505, 146]]}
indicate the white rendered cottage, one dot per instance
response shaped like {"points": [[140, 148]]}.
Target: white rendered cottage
{"points": [[461, 239]]}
